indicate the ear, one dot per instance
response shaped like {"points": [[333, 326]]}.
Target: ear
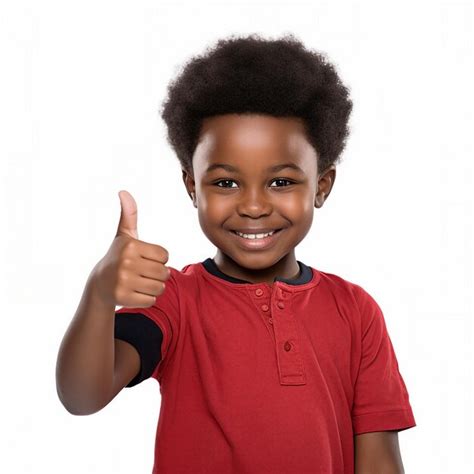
{"points": [[325, 183], [190, 186]]}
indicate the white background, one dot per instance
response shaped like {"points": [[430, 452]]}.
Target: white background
{"points": [[80, 88]]}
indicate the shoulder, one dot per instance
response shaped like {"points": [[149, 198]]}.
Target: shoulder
{"points": [[184, 276], [345, 291], [182, 282], [341, 286]]}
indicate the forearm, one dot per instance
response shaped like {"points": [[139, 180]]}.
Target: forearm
{"points": [[85, 363], [390, 469], [377, 453], [381, 469]]}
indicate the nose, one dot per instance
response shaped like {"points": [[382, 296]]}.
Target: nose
{"points": [[254, 203]]}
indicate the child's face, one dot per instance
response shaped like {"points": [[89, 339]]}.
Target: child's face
{"points": [[253, 196]]}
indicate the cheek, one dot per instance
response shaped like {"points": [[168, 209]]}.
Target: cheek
{"points": [[297, 206], [214, 207]]}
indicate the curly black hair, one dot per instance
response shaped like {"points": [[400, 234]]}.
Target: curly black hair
{"points": [[256, 75]]}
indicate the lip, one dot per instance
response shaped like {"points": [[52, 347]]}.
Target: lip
{"points": [[248, 230], [257, 244]]}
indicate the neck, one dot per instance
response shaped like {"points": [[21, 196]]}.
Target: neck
{"points": [[250, 270]]}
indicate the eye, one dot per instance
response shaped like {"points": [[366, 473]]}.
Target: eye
{"points": [[281, 179], [224, 181], [217, 183]]}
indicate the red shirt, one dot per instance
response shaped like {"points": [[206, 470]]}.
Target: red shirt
{"points": [[266, 379]]}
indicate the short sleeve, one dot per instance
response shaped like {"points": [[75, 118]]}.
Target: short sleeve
{"points": [[154, 337], [143, 334], [381, 400]]}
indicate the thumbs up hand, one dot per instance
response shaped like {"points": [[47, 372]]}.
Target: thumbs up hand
{"points": [[132, 273]]}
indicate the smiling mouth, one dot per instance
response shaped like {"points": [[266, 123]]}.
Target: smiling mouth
{"points": [[263, 235], [252, 243]]}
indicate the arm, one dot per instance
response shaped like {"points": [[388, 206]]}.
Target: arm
{"points": [[378, 453], [92, 367]]}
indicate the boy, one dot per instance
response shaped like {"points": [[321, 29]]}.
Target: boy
{"points": [[266, 365]]}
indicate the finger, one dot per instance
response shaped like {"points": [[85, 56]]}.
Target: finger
{"points": [[153, 252], [147, 286], [128, 216], [153, 270]]}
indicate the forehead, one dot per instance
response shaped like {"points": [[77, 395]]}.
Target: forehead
{"points": [[251, 140]]}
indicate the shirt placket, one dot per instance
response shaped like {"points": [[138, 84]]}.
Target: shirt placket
{"points": [[279, 316]]}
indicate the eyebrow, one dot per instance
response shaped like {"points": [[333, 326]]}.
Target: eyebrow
{"points": [[232, 169]]}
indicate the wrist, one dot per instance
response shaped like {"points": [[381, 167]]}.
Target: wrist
{"points": [[94, 295]]}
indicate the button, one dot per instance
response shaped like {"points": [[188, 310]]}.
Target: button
{"points": [[270, 320], [259, 292], [265, 307], [280, 305], [287, 346]]}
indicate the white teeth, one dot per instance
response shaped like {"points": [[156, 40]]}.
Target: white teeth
{"points": [[254, 236]]}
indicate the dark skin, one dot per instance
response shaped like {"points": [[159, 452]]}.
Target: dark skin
{"points": [[257, 197], [253, 196]]}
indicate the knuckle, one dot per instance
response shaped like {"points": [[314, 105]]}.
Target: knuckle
{"points": [[122, 277], [132, 243], [131, 246]]}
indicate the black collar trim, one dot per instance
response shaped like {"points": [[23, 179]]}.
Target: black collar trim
{"points": [[305, 276]]}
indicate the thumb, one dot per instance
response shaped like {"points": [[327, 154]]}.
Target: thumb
{"points": [[128, 217]]}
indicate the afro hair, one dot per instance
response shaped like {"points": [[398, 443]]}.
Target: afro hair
{"points": [[241, 75]]}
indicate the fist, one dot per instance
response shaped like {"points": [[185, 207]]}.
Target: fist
{"points": [[132, 273]]}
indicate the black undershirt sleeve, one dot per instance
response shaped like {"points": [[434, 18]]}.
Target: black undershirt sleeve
{"points": [[146, 336]]}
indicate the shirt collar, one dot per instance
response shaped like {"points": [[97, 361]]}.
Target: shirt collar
{"points": [[304, 276]]}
